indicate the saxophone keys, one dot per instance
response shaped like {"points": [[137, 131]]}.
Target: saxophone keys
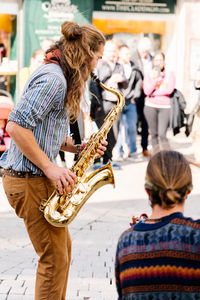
{"points": [[79, 173], [68, 213], [62, 200], [84, 167], [95, 149], [43, 204]]}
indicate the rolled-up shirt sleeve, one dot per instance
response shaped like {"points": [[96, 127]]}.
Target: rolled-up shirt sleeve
{"points": [[43, 93]]}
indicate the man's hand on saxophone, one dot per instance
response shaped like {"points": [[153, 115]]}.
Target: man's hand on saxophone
{"points": [[64, 178], [69, 146], [102, 148]]}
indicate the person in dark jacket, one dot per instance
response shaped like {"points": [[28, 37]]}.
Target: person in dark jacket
{"points": [[132, 93], [111, 74]]}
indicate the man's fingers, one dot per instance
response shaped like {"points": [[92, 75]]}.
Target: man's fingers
{"points": [[60, 187], [68, 182], [104, 143], [66, 185], [101, 149], [100, 152], [72, 175]]}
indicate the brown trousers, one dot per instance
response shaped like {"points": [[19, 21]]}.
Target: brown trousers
{"points": [[52, 244]]}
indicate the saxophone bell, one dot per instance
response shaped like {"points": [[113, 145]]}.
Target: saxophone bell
{"points": [[60, 215]]}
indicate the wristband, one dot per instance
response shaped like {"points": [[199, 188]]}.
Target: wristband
{"points": [[83, 146]]}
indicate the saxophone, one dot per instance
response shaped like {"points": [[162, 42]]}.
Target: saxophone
{"points": [[60, 210]]}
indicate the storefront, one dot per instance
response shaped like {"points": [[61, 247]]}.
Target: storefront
{"points": [[127, 21], [171, 24], [134, 17], [42, 20], [25, 24]]}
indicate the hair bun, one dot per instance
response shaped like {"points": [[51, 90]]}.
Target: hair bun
{"points": [[71, 31], [170, 196]]}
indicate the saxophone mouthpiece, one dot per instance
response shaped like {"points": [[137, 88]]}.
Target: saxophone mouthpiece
{"points": [[94, 77]]}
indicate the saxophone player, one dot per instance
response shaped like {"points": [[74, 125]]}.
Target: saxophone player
{"points": [[38, 127]]}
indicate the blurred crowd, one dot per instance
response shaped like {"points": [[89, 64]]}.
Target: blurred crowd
{"points": [[153, 105], [152, 102]]}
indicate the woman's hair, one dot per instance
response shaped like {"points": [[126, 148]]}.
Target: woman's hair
{"points": [[77, 45], [158, 54], [168, 178]]}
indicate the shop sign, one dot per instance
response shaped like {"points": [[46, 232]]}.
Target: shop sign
{"points": [[43, 19], [136, 6]]}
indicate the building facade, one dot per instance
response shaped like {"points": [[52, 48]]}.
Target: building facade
{"points": [[171, 24]]}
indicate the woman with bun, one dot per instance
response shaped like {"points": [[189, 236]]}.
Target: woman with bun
{"points": [[38, 127], [159, 256]]}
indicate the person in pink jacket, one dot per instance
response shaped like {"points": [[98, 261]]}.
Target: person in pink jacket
{"points": [[158, 84]]}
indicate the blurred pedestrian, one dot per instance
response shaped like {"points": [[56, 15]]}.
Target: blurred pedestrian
{"points": [[111, 74], [159, 257], [132, 93], [158, 85], [38, 127], [86, 123], [3, 79], [142, 58], [35, 61], [46, 43]]}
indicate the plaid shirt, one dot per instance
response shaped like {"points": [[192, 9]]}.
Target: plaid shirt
{"points": [[41, 109]]}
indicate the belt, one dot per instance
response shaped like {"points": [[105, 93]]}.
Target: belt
{"points": [[13, 173]]}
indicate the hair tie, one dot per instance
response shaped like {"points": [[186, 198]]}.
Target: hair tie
{"points": [[149, 185]]}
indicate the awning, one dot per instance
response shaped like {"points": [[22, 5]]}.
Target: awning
{"points": [[109, 26], [5, 23]]}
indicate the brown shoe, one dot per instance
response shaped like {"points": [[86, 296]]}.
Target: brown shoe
{"points": [[146, 153]]}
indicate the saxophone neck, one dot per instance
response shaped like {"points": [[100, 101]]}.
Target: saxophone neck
{"points": [[118, 93]]}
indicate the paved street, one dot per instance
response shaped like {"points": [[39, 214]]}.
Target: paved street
{"points": [[94, 233]]}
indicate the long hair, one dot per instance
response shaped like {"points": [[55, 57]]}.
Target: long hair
{"points": [[159, 53], [168, 178], [77, 45]]}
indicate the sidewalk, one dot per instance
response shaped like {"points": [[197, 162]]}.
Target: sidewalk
{"points": [[94, 233]]}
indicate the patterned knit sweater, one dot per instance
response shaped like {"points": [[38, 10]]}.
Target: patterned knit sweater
{"points": [[160, 260]]}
